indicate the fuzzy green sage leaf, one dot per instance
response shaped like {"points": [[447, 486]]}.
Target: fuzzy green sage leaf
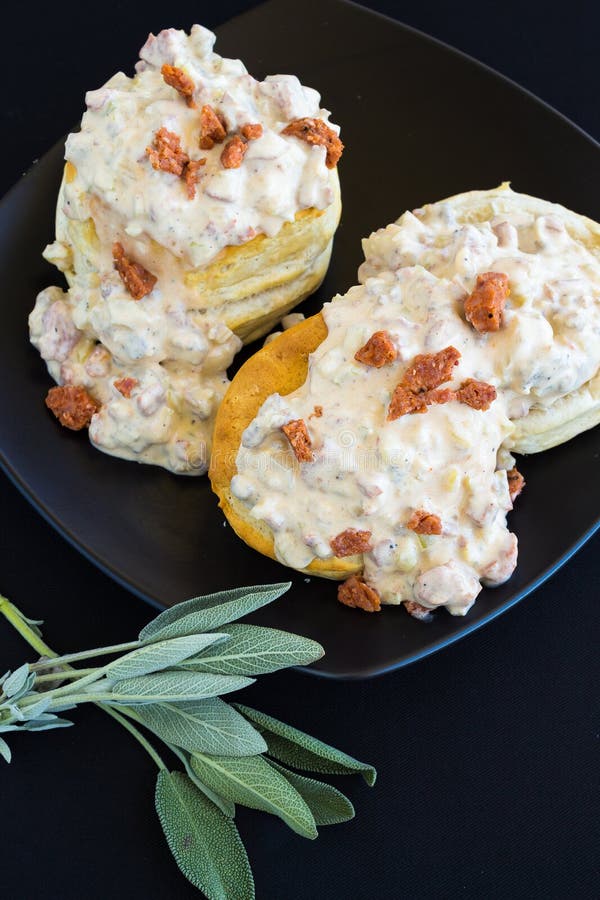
{"points": [[212, 611], [300, 750], [205, 843], [251, 781], [176, 686], [206, 726], [160, 655], [5, 750], [255, 650], [18, 682], [328, 805]]}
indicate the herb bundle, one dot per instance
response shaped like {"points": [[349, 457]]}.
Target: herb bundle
{"points": [[169, 682]]}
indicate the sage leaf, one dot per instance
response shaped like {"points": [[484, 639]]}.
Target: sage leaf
{"points": [[45, 722], [205, 843], [160, 655], [251, 781], [5, 751], [226, 806], [207, 726], [300, 750], [254, 650], [211, 611], [328, 805], [16, 683], [176, 686], [36, 709], [16, 712]]}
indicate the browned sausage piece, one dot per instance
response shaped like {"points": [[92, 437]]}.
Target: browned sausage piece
{"points": [[404, 401], [476, 394], [191, 175], [233, 153], [213, 128], [516, 483], [484, 307], [423, 522], [356, 593], [378, 350], [182, 83], [297, 434], [351, 541], [135, 277], [316, 131], [428, 370], [166, 153], [72, 406], [251, 132], [316, 413], [125, 386]]}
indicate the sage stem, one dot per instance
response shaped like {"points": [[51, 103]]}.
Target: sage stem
{"points": [[84, 654], [13, 615]]}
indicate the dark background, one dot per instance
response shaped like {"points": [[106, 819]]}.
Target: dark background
{"points": [[487, 752]]}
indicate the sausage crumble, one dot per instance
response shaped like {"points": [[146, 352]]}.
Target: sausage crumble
{"points": [[72, 406], [179, 80], [378, 350], [351, 541], [138, 280], [423, 522], [213, 128], [355, 592], [485, 305], [317, 132], [297, 434]]}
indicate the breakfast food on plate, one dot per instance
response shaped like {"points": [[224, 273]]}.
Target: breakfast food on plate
{"points": [[198, 206], [372, 443]]}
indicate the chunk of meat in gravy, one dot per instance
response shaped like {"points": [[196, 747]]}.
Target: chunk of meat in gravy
{"points": [[134, 276], [351, 541], [72, 406], [316, 131], [423, 522], [297, 434], [378, 350], [233, 153], [502, 568], [516, 483], [191, 175], [485, 305], [179, 80], [251, 132], [166, 153], [476, 394], [436, 585], [428, 370], [404, 401], [125, 386], [355, 592], [213, 128]]}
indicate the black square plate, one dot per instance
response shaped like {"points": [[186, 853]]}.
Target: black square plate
{"points": [[420, 122]]}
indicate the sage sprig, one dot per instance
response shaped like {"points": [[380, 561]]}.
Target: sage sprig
{"points": [[167, 686]]}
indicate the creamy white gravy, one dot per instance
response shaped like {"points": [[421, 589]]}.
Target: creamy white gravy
{"points": [[371, 474], [95, 333]]}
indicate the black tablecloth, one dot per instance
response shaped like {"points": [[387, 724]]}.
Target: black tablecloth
{"points": [[487, 751]]}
